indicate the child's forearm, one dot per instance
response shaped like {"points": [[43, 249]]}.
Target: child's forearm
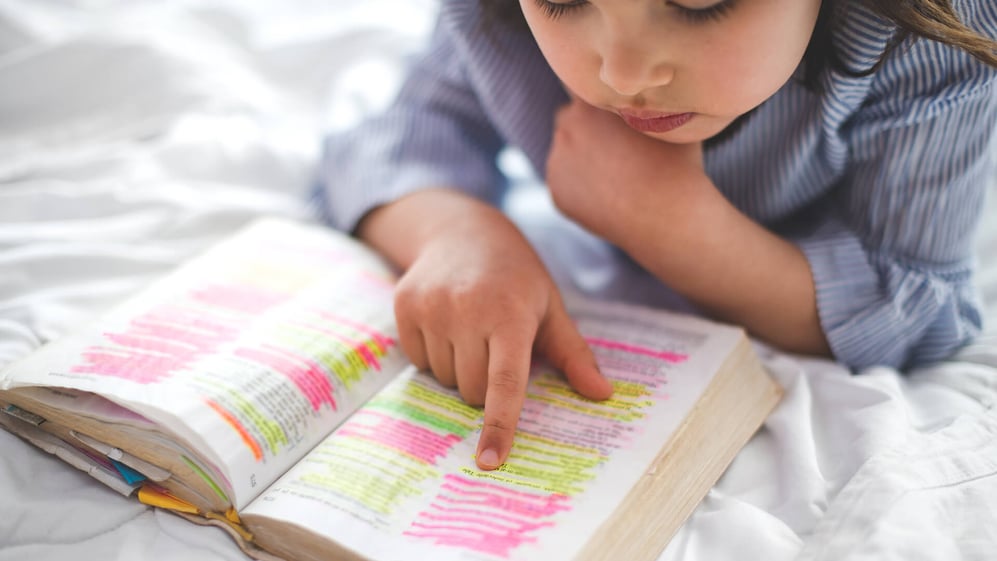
{"points": [[707, 250], [398, 230]]}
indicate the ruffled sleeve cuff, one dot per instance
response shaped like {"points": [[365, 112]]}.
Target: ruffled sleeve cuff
{"points": [[875, 311]]}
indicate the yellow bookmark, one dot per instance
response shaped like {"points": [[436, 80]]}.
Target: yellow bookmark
{"points": [[153, 496], [242, 531]]}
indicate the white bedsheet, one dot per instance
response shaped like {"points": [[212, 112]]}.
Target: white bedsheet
{"points": [[133, 134]]}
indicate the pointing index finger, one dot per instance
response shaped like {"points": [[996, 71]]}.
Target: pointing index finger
{"points": [[509, 352]]}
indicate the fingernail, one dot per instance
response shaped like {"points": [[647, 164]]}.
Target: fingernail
{"points": [[488, 458]]}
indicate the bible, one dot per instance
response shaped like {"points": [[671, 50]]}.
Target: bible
{"points": [[260, 388]]}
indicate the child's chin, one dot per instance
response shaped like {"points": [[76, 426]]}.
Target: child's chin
{"points": [[680, 136]]}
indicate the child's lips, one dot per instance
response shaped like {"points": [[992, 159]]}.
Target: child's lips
{"points": [[654, 121]]}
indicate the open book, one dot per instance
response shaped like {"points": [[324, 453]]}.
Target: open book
{"points": [[261, 388]]}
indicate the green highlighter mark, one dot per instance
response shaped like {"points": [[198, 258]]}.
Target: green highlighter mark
{"points": [[207, 478]]}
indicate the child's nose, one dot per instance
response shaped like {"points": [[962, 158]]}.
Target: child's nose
{"points": [[630, 70]]}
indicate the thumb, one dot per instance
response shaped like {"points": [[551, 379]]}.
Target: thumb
{"points": [[561, 343]]}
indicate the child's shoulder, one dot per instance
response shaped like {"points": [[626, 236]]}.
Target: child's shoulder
{"points": [[859, 28], [918, 68], [978, 15]]}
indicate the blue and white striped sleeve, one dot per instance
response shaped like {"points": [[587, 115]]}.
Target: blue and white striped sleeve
{"points": [[435, 134], [893, 269]]}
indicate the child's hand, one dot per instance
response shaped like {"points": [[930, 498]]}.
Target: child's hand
{"points": [[608, 177], [653, 200], [473, 303]]}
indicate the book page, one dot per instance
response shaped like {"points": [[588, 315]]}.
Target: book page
{"points": [[398, 479], [250, 354]]}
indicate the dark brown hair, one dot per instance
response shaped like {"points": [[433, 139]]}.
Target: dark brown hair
{"points": [[936, 20]]}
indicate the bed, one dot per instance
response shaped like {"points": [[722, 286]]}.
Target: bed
{"points": [[135, 134]]}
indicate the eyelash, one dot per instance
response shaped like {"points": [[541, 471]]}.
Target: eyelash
{"points": [[715, 12], [555, 10]]}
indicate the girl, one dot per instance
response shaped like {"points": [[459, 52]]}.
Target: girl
{"points": [[811, 170]]}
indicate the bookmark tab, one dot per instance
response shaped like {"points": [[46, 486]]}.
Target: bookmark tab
{"points": [[65, 451], [143, 467], [157, 497], [26, 416], [130, 475]]}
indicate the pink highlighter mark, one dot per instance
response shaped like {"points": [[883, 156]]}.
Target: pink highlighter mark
{"points": [[411, 439], [382, 341], [498, 543], [471, 515], [369, 358], [503, 498], [309, 378], [131, 365], [485, 517], [619, 346], [239, 298], [522, 507], [168, 339], [178, 349], [184, 325], [155, 346]]}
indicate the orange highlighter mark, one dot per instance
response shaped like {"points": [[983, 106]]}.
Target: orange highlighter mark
{"points": [[246, 437]]}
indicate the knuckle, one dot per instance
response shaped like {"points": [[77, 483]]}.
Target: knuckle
{"points": [[511, 306], [498, 424], [431, 310], [465, 298], [503, 307], [505, 381], [404, 298], [433, 298]]}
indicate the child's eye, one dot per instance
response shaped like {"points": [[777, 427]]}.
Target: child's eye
{"points": [[702, 15], [554, 10]]}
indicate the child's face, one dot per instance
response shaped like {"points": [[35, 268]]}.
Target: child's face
{"points": [[681, 70]]}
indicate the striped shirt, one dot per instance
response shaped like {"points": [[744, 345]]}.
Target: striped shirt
{"points": [[879, 180]]}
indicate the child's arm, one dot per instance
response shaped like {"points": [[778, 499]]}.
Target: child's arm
{"points": [[435, 133], [884, 279], [474, 300], [654, 200], [474, 297]]}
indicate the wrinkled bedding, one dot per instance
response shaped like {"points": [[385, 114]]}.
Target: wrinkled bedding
{"points": [[134, 134]]}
